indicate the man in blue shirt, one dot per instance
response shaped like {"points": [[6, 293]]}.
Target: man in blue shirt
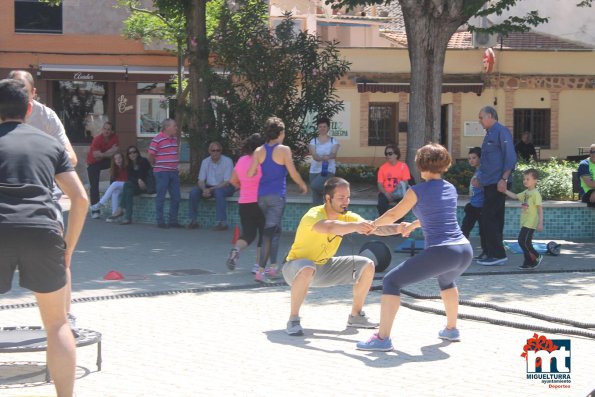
{"points": [[498, 158]]}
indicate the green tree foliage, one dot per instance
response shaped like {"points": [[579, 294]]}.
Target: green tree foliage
{"points": [[264, 73]]}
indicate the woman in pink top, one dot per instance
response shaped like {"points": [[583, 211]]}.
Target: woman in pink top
{"points": [[251, 216]]}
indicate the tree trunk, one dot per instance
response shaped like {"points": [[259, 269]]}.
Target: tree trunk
{"points": [[198, 56], [429, 25]]}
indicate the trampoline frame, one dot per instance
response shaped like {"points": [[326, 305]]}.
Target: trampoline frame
{"points": [[85, 337]]}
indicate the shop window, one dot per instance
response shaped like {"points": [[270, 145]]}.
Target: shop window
{"points": [[382, 124], [82, 107], [33, 16], [537, 122], [152, 110]]}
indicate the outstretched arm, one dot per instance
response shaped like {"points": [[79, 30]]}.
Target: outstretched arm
{"points": [[341, 228], [388, 230], [253, 170], [399, 210], [293, 172], [511, 194]]}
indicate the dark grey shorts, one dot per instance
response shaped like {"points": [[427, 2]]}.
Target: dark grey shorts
{"points": [[39, 256], [339, 270]]}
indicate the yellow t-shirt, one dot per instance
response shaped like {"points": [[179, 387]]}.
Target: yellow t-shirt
{"points": [[530, 200], [317, 247]]}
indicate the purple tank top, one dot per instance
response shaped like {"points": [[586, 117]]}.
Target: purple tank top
{"points": [[436, 209], [273, 180]]}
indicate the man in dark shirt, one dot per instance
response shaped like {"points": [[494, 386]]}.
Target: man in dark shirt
{"points": [[524, 148], [31, 233]]}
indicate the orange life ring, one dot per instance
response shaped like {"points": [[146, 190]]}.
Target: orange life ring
{"points": [[489, 60]]}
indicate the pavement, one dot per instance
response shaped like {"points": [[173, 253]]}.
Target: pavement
{"points": [[181, 324]]}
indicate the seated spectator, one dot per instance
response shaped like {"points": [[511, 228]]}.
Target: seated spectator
{"points": [[103, 147], [213, 181], [586, 174], [525, 149], [140, 180], [118, 177], [393, 179]]}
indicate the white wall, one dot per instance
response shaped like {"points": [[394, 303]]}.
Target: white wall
{"points": [[566, 19]]}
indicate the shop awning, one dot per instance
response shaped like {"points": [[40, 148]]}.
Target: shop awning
{"points": [[107, 73], [152, 73], [82, 72], [475, 87]]}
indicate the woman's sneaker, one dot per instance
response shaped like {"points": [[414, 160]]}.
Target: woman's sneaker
{"points": [[261, 277], [232, 261], [451, 334], [375, 344]]}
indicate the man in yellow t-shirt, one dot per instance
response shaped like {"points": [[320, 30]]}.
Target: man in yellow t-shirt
{"points": [[311, 260]]}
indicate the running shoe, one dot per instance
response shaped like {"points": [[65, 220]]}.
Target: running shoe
{"points": [[294, 328], [451, 334], [233, 258], [375, 344], [360, 321]]}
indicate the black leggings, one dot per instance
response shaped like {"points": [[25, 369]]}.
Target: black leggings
{"points": [[252, 221], [526, 242]]}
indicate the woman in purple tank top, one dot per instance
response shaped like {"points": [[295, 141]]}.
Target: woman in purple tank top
{"points": [[447, 252], [276, 161]]}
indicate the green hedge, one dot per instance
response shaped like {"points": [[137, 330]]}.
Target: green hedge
{"points": [[555, 177], [354, 173]]}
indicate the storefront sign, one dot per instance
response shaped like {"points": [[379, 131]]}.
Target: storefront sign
{"points": [[122, 101], [83, 76], [341, 122]]}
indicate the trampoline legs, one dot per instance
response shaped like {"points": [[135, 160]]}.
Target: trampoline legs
{"points": [[99, 356]]}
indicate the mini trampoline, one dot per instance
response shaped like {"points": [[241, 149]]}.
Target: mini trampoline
{"points": [[34, 339]]}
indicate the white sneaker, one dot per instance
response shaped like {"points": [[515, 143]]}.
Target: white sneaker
{"points": [[95, 214], [96, 207]]}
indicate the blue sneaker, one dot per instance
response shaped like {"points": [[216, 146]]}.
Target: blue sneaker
{"points": [[451, 334], [375, 344]]}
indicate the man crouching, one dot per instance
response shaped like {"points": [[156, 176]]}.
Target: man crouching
{"points": [[311, 260]]}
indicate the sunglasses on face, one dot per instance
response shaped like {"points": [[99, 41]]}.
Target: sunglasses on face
{"points": [[592, 152], [215, 150], [133, 152], [389, 153]]}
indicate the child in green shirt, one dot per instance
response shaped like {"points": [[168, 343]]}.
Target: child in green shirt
{"points": [[531, 217]]}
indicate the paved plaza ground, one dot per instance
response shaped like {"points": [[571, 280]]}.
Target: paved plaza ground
{"points": [[218, 333]]}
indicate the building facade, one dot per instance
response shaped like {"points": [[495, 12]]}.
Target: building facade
{"points": [[537, 82], [85, 69]]}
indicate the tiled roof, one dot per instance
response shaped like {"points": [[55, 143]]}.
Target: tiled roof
{"points": [[392, 12], [394, 30], [516, 41]]}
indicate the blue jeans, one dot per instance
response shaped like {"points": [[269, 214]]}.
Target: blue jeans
{"points": [[167, 181], [220, 195]]}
